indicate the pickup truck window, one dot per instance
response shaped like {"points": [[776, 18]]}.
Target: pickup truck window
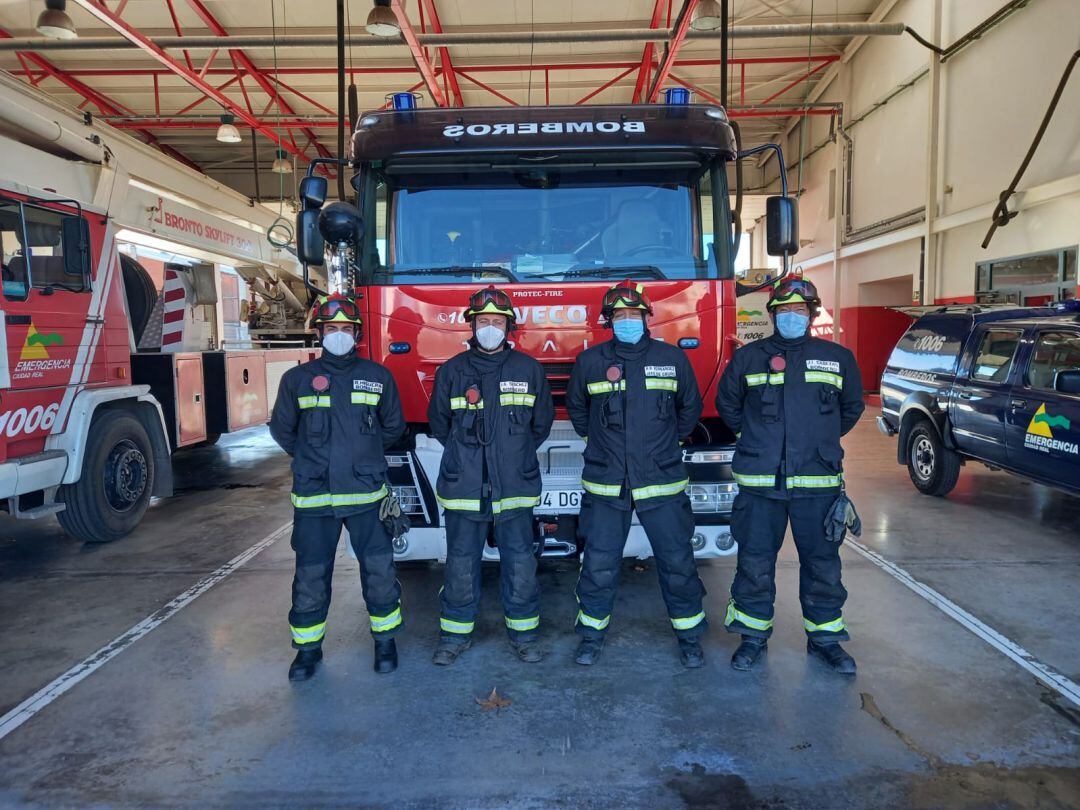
{"points": [[993, 362], [1054, 352], [924, 348]]}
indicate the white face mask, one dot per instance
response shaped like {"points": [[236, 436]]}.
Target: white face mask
{"points": [[338, 343], [490, 337]]}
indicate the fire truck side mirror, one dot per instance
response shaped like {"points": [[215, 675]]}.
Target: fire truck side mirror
{"points": [[75, 246], [310, 245], [781, 226], [313, 192]]}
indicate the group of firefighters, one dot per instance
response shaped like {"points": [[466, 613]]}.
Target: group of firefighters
{"points": [[788, 397]]}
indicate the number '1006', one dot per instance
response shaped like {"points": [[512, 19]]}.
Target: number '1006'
{"points": [[21, 420]]}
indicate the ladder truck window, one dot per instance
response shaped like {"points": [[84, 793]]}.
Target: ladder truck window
{"points": [[58, 246]]}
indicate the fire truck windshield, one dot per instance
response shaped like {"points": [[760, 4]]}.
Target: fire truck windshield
{"points": [[546, 229]]}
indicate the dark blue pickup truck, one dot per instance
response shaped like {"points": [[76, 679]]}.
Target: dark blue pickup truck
{"points": [[996, 385]]}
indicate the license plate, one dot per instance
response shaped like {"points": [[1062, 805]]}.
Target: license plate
{"points": [[560, 500]]}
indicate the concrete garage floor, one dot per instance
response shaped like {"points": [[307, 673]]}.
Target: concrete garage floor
{"points": [[199, 712]]}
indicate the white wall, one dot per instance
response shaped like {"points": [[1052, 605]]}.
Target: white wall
{"points": [[992, 98]]}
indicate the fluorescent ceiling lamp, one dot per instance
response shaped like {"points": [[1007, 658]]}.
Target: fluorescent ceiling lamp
{"points": [[707, 16], [227, 132], [54, 22], [282, 164], [381, 21]]}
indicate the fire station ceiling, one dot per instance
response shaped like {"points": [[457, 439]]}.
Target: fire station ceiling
{"points": [[287, 95]]}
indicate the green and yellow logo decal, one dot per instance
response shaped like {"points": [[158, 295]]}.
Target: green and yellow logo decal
{"points": [[744, 315], [36, 345], [1040, 433]]}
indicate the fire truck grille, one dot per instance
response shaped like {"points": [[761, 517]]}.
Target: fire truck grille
{"points": [[558, 376]]}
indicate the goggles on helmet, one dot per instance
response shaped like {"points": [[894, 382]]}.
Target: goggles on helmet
{"points": [[624, 295], [490, 300], [793, 291], [335, 309]]}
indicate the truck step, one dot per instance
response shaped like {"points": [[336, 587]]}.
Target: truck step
{"points": [[40, 511]]}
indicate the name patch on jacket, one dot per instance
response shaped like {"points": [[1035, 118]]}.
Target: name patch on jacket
{"points": [[823, 365], [660, 371], [367, 385], [513, 387]]}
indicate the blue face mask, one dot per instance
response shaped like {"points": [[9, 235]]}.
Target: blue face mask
{"points": [[629, 330], [792, 325]]}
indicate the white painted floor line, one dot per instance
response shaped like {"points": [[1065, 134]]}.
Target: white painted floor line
{"points": [[47, 694], [1054, 680]]}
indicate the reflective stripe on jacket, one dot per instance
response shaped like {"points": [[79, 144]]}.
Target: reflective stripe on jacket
{"points": [[789, 414], [337, 436], [496, 429], [633, 419]]}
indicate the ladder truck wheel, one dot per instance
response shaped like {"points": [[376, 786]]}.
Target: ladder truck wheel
{"points": [[113, 491]]}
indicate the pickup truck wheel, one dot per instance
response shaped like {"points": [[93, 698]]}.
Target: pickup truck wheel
{"points": [[113, 491], [934, 469]]}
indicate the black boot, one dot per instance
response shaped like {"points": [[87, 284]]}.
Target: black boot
{"points": [[303, 666], [833, 655], [588, 651], [748, 653], [385, 655], [527, 651], [690, 653], [448, 651]]}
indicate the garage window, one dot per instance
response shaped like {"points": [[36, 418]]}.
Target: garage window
{"points": [[1054, 352], [995, 357]]}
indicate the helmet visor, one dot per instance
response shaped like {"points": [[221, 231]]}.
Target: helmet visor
{"points": [[490, 300], [623, 298], [793, 291], [337, 310]]}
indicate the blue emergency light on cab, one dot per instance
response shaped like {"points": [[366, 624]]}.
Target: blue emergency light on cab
{"points": [[676, 96], [404, 101]]}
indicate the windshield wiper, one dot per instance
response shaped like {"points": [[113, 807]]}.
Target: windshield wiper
{"points": [[605, 272], [455, 270]]}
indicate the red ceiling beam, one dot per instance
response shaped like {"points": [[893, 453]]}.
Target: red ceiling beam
{"points": [[487, 87], [444, 54], [105, 104], [606, 85], [647, 54], [102, 14], [507, 68], [260, 77], [786, 87], [427, 72], [678, 36]]}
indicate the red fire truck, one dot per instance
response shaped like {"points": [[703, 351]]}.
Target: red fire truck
{"points": [[102, 378], [553, 204]]}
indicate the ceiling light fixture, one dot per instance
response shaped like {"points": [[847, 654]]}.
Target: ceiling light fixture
{"points": [[707, 16], [54, 21], [381, 21], [227, 132], [282, 164]]}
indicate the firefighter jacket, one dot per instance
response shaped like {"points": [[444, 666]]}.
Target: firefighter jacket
{"points": [[336, 416], [491, 412], [633, 404], [789, 402]]}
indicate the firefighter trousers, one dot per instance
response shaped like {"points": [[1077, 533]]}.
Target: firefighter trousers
{"points": [[315, 541], [758, 525], [520, 591], [670, 528]]}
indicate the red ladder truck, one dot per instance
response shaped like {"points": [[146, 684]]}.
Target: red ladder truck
{"points": [[101, 379], [554, 205]]}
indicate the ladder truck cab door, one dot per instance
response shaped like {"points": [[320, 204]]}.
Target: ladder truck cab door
{"points": [[49, 306]]}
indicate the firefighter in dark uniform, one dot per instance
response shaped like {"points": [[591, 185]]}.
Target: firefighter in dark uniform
{"points": [[335, 416], [789, 398], [491, 408], [633, 399]]}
